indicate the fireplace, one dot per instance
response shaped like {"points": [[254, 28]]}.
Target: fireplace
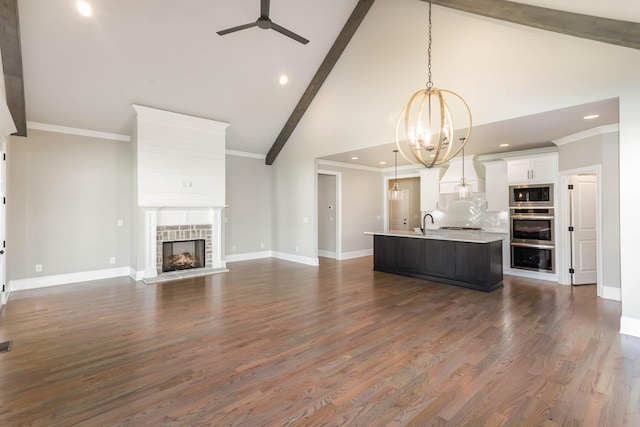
{"points": [[183, 255]]}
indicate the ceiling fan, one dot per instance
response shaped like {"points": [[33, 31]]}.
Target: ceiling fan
{"points": [[265, 23]]}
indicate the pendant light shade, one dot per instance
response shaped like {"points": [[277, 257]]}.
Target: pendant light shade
{"points": [[425, 127], [464, 190], [395, 193]]}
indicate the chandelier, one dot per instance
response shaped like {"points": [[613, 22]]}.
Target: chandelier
{"points": [[425, 127]]}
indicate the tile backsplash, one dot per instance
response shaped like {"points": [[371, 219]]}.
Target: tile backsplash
{"points": [[471, 213]]}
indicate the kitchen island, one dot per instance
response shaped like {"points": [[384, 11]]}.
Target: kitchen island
{"points": [[472, 260]]}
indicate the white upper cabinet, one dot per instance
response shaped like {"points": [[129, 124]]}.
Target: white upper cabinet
{"points": [[533, 169], [497, 188], [429, 189]]}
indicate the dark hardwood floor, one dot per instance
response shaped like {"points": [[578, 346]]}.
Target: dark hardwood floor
{"points": [[277, 343]]}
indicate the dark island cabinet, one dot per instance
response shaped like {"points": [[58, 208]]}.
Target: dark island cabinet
{"points": [[468, 264]]}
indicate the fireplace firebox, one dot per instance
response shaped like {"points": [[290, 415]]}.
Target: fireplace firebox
{"points": [[183, 255]]}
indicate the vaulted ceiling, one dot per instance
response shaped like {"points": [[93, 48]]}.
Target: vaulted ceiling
{"points": [[86, 72]]}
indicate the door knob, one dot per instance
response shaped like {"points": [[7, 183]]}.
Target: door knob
{"points": [[1, 252]]}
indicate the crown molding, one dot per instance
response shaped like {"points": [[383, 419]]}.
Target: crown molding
{"points": [[600, 130], [76, 131], [348, 165], [245, 154]]}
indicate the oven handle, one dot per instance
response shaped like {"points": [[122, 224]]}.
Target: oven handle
{"points": [[533, 245], [531, 216]]}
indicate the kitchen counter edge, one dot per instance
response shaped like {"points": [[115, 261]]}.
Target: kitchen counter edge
{"points": [[477, 237]]}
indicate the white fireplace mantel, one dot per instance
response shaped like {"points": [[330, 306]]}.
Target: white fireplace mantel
{"points": [[167, 216]]}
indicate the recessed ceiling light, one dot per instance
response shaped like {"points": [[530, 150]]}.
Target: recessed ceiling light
{"points": [[354, 158], [504, 145], [284, 79], [84, 8], [592, 116], [383, 163]]}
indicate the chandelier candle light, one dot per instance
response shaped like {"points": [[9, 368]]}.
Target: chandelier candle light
{"points": [[395, 193], [425, 127]]}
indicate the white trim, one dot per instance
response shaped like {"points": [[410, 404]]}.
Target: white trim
{"points": [[347, 165], [413, 168], [327, 254], [64, 279], [338, 175], [630, 326], [356, 254], [76, 131], [184, 120], [136, 275], [538, 275], [600, 130], [609, 292], [297, 258], [247, 256], [245, 154]]}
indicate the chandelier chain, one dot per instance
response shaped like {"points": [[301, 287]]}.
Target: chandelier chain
{"points": [[429, 83]]}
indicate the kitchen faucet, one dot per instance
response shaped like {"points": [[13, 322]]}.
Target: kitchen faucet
{"points": [[423, 229]]}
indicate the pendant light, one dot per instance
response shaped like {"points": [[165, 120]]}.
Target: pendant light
{"points": [[395, 193], [425, 126], [462, 191]]}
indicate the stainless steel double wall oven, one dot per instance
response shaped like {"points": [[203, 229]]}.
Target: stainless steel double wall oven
{"points": [[532, 227]]}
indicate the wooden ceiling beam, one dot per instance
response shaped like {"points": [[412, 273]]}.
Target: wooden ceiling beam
{"points": [[612, 31], [349, 29], [12, 63]]}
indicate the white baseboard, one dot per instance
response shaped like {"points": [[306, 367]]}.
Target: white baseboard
{"points": [[531, 274], [64, 279], [296, 258], [248, 256], [136, 275], [356, 254], [327, 254], [611, 293], [630, 326]]}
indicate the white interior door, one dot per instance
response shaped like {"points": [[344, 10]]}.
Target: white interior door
{"points": [[584, 236], [399, 211]]}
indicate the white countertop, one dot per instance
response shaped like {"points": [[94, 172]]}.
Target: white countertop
{"points": [[452, 235]]}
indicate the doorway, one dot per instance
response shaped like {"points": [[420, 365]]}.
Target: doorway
{"points": [[580, 256], [329, 214], [583, 231], [404, 214]]}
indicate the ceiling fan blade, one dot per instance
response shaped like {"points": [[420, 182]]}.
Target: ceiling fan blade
{"points": [[288, 33], [238, 28], [264, 8]]}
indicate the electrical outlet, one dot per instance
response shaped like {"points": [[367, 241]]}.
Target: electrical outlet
{"points": [[297, 248], [120, 223], [38, 268], [112, 260], [305, 220], [233, 248], [261, 245]]}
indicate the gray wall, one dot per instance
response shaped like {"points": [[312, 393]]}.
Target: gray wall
{"points": [[327, 212], [248, 215], [65, 194], [601, 150], [361, 206]]}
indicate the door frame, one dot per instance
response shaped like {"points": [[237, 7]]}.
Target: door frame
{"points": [[338, 176], [563, 220], [385, 190]]}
